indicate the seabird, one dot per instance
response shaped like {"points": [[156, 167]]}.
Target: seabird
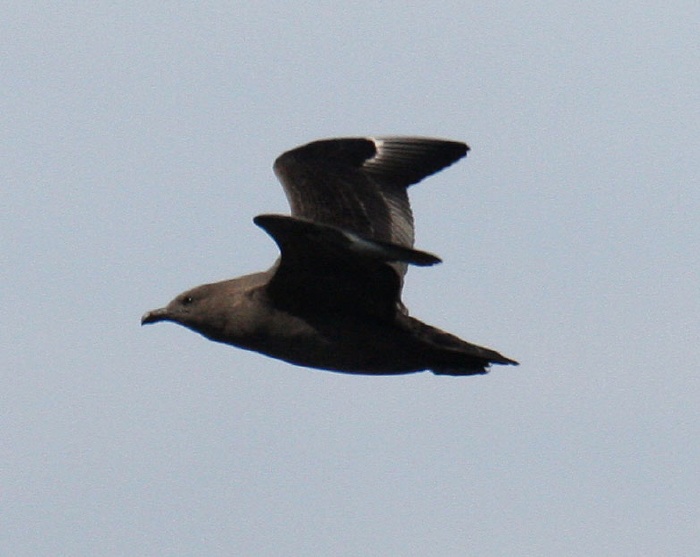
{"points": [[332, 300]]}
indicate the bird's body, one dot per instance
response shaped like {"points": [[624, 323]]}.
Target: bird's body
{"points": [[332, 300]]}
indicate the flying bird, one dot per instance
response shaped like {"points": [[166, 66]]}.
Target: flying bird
{"points": [[332, 300]]}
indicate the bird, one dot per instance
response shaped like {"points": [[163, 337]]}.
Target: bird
{"points": [[332, 299]]}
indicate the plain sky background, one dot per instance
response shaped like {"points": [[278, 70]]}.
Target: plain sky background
{"points": [[137, 142]]}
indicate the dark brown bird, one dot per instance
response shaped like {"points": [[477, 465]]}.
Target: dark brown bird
{"points": [[333, 298]]}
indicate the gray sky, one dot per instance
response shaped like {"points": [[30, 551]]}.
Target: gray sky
{"points": [[137, 143]]}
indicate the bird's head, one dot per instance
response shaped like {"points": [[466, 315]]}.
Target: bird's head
{"points": [[196, 309]]}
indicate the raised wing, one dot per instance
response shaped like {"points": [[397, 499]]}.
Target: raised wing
{"points": [[359, 184]]}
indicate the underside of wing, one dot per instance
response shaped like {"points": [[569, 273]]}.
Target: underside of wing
{"points": [[333, 269], [359, 184]]}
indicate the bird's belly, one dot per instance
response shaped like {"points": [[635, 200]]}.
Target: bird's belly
{"points": [[339, 343]]}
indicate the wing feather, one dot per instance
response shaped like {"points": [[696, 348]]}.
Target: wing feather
{"points": [[359, 184]]}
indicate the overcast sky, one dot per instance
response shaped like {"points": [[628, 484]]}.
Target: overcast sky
{"points": [[137, 143]]}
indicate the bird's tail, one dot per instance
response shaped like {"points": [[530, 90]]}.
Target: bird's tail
{"points": [[453, 356]]}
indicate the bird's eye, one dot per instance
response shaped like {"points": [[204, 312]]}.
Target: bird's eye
{"points": [[187, 300]]}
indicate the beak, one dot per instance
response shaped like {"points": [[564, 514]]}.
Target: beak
{"points": [[154, 316]]}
